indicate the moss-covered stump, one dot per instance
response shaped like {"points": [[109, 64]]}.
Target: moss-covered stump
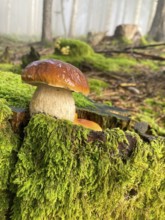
{"points": [[105, 116], [8, 145], [72, 47], [63, 172]]}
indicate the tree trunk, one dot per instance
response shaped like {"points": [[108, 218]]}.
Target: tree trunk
{"points": [[73, 18], [47, 21], [138, 11], [152, 13], [157, 30], [63, 18]]}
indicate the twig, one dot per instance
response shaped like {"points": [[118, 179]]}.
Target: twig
{"points": [[145, 46], [132, 52]]}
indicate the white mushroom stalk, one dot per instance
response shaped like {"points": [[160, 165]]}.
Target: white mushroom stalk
{"points": [[57, 102]]}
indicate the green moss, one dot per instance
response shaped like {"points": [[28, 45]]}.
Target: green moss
{"points": [[109, 103], [122, 63], [60, 174], [154, 66], [97, 85], [12, 89], [71, 50], [99, 62], [82, 101], [121, 42], [8, 67], [8, 144], [144, 41], [113, 64], [153, 112], [72, 47], [76, 61], [5, 111], [79, 53]]}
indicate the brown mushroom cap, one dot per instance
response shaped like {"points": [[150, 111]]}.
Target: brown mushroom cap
{"points": [[57, 74]]}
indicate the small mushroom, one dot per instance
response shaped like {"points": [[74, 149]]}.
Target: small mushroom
{"points": [[55, 81], [87, 123]]}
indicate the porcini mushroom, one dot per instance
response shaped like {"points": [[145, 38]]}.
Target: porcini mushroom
{"points": [[55, 81]]}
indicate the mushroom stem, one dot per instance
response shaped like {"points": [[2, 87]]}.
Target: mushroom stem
{"points": [[57, 102]]}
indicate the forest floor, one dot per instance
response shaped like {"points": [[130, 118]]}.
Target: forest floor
{"points": [[130, 91], [125, 90]]}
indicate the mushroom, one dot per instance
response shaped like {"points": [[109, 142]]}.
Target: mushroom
{"points": [[55, 81], [87, 123]]}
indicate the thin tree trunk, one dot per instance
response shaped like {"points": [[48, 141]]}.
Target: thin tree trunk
{"points": [[123, 11], [109, 14], [157, 31], [8, 15], [32, 29], [47, 21], [73, 18], [138, 11], [152, 13], [63, 18]]}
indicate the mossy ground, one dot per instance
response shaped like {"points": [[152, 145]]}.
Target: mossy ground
{"points": [[97, 85]]}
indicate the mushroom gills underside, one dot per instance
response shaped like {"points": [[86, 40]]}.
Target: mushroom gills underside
{"points": [[57, 102]]}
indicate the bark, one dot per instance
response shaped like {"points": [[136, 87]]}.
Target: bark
{"points": [[157, 30], [47, 21], [151, 14]]}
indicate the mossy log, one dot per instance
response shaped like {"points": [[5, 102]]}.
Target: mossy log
{"points": [[104, 115]]}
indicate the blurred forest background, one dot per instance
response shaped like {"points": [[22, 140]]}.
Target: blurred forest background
{"points": [[74, 18]]}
